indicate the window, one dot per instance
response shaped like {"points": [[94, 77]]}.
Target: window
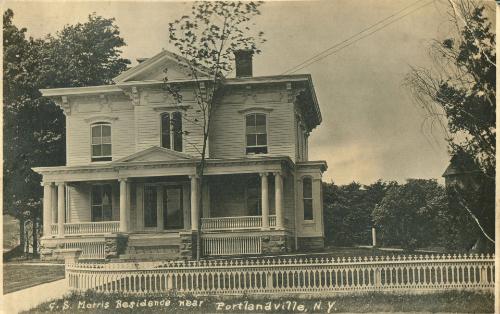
{"points": [[307, 196], [101, 142], [101, 202], [171, 131], [256, 133]]}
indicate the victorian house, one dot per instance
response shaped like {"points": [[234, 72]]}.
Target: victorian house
{"points": [[129, 189]]}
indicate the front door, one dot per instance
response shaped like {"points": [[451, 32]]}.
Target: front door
{"points": [[150, 207], [173, 217]]}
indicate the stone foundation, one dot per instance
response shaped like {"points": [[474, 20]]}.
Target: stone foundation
{"points": [[49, 248], [116, 244], [187, 248], [311, 244], [272, 244]]}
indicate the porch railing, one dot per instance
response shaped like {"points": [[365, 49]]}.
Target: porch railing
{"points": [[237, 222], [225, 245], [91, 249], [101, 227]]}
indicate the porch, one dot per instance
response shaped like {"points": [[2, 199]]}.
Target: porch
{"points": [[240, 207]]}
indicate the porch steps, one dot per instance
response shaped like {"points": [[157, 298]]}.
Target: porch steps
{"points": [[144, 247]]}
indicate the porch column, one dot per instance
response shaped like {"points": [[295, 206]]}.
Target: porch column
{"points": [[278, 200], [53, 191], [264, 188], [123, 205], [194, 203], [47, 208], [61, 208]]}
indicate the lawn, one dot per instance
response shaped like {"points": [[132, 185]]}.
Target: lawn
{"points": [[18, 276], [451, 301]]}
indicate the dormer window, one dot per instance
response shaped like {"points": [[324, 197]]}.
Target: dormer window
{"points": [[171, 131], [256, 133], [101, 141]]}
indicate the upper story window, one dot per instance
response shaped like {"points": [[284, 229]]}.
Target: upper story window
{"points": [[171, 131], [256, 133], [307, 197], [101, 141], [102, 208]]}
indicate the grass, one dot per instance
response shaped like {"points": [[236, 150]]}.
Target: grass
{"points": [[450, 301], [17, 276]]}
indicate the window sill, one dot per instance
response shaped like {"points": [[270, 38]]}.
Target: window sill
{"points": [[101, 161]]}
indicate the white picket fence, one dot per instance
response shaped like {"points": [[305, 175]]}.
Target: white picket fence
{"points": [[288, 275]]}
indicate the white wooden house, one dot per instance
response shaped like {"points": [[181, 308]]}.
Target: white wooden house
{"points": [[129, 188]]}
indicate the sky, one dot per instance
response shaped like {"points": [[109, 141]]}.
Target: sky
{"points": [[371, 128]]}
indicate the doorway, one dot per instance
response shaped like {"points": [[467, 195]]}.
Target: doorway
{"points": [[173, 211]]}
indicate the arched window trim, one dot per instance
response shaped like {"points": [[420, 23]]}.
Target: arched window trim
{"points": [[172, 142], [266, 115], [101, 157], [308, 216]]}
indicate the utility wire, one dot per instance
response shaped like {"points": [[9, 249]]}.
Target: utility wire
{"points": [[322, 54]]}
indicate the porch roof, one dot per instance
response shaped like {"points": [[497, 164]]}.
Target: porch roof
{"points": [[125, 168]]}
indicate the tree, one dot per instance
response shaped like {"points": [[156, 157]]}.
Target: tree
{"points": [[459, 96], [84, 54], [406, 216], [348, 211], [206, 41]]}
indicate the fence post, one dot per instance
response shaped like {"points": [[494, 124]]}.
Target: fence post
{"points": [[71, 257], [374, 237]]}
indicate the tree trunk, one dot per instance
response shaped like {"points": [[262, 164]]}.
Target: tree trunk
{"points": [[35, 236], [22, 239]]}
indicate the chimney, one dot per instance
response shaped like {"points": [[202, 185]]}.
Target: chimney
{"points": [[243, 62]]}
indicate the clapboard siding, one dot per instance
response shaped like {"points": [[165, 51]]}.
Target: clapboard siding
{"points": [[135, 128], [79, 202], [86, 111], [227, 139]]}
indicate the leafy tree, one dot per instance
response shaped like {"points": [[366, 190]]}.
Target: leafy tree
{"points": [[459, 96], [406, 216], [84, 54], [348, 211], [206, 40]]}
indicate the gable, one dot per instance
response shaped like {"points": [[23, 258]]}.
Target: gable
{"points": [[155, 153], [153, 69]]}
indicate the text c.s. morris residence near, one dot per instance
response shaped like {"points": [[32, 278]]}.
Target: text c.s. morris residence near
{"points": [[129, 188]]}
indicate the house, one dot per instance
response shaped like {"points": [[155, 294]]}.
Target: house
{"points": [[129, 189]]}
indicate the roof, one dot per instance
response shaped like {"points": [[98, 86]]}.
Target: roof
{"points": [[152, 72], [460, 164], [154, 62]]}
